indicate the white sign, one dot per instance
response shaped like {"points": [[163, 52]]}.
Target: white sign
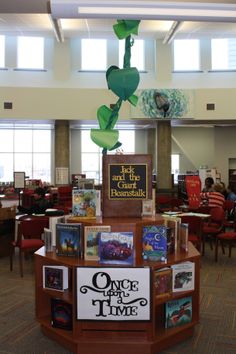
{"points": [[113, 294]]}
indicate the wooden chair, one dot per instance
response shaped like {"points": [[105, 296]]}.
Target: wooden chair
{"points": [[195, 224], [28, 238], [213, 226]]}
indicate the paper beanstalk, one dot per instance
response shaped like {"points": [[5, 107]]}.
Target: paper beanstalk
{"points": [[123, 83]]}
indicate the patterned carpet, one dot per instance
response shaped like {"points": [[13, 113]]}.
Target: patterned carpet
{"points": [[215, 334]]}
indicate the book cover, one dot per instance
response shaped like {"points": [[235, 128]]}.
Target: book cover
{"points": [[69, 239], [84, 203], [61, 314], [154, 242], [183, 276], [173, 223], [55, 277], [116, 248], [91, 239], [163, 282], [183, 237], [178, 312]]}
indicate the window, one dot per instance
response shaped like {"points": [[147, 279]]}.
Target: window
{"points": [[2, 51], [94, 54], [30, 53], [223, 54], [23, 150], [91, 154], [186, 55], [175, 167], [137, 54]]}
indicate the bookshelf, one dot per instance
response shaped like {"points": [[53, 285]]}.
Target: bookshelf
{"points": [[135, 337]]}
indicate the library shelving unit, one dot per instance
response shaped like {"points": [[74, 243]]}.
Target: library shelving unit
{"points": [[134, 337]]}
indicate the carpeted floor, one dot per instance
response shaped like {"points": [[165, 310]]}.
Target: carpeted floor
{"points": [[215, 334]]}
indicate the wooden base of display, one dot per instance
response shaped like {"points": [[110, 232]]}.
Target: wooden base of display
{"points": [[117, 345]]}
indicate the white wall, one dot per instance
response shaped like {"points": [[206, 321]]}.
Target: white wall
{"points": [[63, 92]]}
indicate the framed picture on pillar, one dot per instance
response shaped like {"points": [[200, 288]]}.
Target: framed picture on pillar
{"points": [[62, 175]]}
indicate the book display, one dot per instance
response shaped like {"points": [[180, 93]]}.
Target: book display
{"points": [[127, 292]]}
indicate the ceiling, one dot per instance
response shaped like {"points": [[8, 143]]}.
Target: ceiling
{"points": [[32, 17]]}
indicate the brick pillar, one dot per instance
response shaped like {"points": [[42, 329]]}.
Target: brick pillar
{"points": [[62, 147], [164, 179]]}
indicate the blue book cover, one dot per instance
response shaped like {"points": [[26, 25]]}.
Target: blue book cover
{"points": [[178, 312], [68, 239], [154, 242], [116, 247]]}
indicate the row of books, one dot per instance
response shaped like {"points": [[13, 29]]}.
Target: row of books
{"points": [[178, 277], [99, 243]]}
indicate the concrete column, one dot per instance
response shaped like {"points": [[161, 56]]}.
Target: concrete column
{"points": [[62, 145], [164, 179]]}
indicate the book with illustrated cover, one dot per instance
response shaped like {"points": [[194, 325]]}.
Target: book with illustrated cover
{"points": [[173, 223], [91, 240], [154, 242], [163, 282], [183, 276], [84, 203], [116, 248], [178, 312], [183, 237], [61, 314], [55, 277], [69, 239]]}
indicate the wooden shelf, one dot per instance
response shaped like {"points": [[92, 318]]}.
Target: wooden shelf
{"points": [[135, 337]]}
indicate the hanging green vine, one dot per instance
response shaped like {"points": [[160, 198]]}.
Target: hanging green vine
{"points": [[123, 83]]}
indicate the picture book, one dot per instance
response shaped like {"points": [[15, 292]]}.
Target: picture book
{"points": [[55, 277], [163, 282], [84, 203], [61, 314], [183, 276], [116, 247], [147, 207], [178, 312], [154, 242], [173, 223], [183, 237], [91, 239], [69, 239]]}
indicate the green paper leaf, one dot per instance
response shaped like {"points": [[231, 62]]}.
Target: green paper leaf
{"points": [[133, 100], [116, 146], [124, 28], [104, 138], [123, 82], [109, 70], [104, 115]]}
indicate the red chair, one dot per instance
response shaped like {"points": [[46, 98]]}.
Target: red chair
{"points": [[213, 227], [225, 238], [195, 224], [28, 238], [229, 208], [163, 203]]}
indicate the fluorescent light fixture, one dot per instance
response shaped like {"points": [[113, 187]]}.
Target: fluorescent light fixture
{"points": [[56, 25], [172, 32], [135, 9]]}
